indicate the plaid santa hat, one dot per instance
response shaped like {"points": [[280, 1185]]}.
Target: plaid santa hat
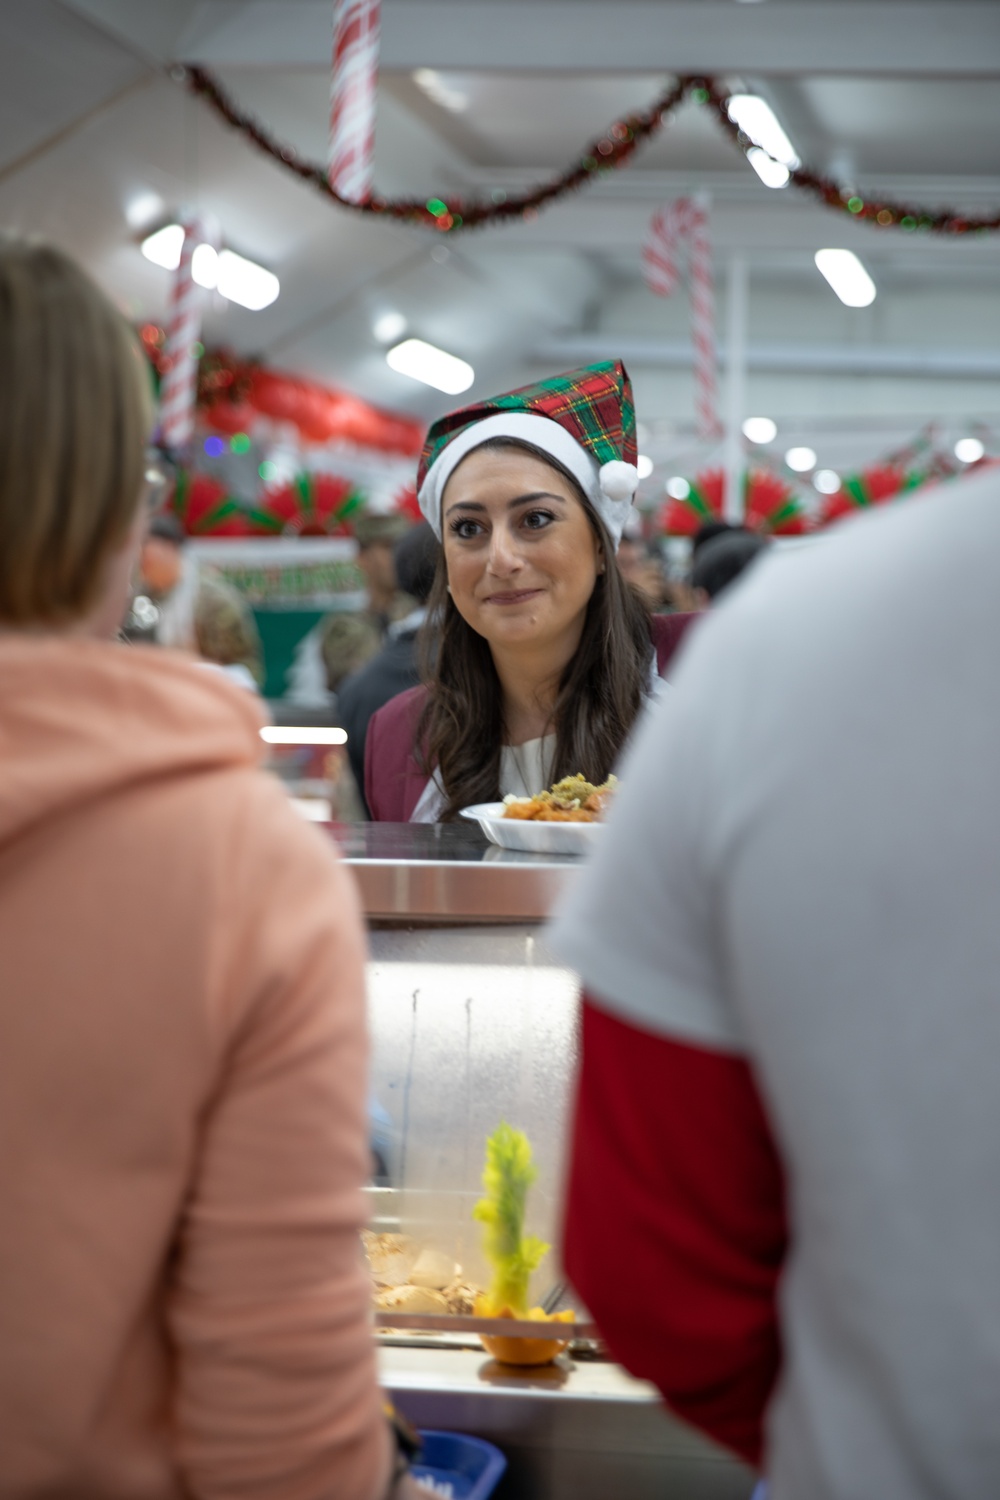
{"points": [[584, 419]]}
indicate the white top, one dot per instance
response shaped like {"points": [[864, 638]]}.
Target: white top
{"points": [[526, 769], [803, 865]]}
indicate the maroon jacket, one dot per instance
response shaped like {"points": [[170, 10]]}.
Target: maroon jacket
{"points": [[393, 778]]}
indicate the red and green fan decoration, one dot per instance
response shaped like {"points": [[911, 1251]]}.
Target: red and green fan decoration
{"points": [[309, 505], [313, 505], [873, 486], [405, 503], [204, 508], [770, 505]]}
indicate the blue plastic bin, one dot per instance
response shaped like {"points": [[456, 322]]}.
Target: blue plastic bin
{"points": [[459, 1467]]}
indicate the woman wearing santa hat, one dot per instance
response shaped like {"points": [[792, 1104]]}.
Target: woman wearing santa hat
{"points": [[545, 654]]}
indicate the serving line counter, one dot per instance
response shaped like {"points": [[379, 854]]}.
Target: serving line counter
{"points": [[474, 1022]]}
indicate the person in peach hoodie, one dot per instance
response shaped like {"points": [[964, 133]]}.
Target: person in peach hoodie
{"points": [[184, 1310]]}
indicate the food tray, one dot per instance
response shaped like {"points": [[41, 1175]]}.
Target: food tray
{"points": [[458, 1467], [529, 837]]}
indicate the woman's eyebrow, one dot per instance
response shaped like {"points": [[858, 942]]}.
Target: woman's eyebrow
{"points": [[475, 505], [535, 495]]}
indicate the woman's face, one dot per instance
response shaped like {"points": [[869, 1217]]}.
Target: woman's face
{"points": [[521, 555]]}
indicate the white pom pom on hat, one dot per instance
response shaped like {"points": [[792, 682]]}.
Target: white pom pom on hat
{"points": [[618, 480]]}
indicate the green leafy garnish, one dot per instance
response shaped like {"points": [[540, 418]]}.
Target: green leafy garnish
{"points": [[507, 1176]]}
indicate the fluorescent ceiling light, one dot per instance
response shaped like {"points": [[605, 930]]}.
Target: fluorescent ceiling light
{"points": [[164, 247], [757, 119], [440, 92], [238, 279], [760, 430], [388, 327], [431, 365], [644, 464], [801, 459], [827, 481], [969, 450], [678, 488], [282, 734], [144, 208], [205, 266], [773, 174], [847, 276], [245, 282]]}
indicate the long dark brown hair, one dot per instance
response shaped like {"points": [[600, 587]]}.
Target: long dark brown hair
{"points": [[461, 731]]}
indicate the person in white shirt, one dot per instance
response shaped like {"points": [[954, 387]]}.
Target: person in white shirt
{"points": [[789, 1100]]}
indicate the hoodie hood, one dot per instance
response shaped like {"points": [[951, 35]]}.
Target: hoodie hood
{"points": [[80, 719]]}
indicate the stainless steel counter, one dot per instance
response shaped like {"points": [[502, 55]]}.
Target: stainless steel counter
{"points": [[570, 1431], [448, 872]]}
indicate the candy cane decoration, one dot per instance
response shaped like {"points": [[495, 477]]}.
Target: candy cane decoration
{"points": [[685, 223], [352, 98], [180, 378]]}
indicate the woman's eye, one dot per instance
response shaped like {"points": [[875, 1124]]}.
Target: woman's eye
{"points": [[465, 529], [536, 519]]}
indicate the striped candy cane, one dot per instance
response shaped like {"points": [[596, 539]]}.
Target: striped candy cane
{"points": [[352, 98], [685, 223], [178, 388]]}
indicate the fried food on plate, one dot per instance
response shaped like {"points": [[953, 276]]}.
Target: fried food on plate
{"points": [[572, 800]]}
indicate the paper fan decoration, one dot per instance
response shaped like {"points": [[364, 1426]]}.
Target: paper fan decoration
{"points": [[313, 505], [405, 503], [873, 486], [770, 505], [203, 507]]}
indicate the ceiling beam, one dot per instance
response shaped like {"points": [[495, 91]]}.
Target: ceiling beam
{"points": [[899, 38], [812, 359]]}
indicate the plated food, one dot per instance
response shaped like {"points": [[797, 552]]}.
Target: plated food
{"points": [[563, 820], [572, 800]]}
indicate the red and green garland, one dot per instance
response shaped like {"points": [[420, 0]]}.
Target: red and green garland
{"points": [[233, 393], [611, 150]]}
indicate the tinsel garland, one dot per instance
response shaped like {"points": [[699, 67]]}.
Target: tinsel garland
{"points": [[611, 150], [447, 215]]}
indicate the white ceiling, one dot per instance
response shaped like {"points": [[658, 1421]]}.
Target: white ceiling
{"points": [[91, 126]]}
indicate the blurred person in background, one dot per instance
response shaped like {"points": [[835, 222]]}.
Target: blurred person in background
{"points": [[225, 632], [162, 606], [377, 536], [708, 531], [183, 1140], [194, 609], [348, 641], [722, 559], [395, 667], [788, 1106], [639, 567]]}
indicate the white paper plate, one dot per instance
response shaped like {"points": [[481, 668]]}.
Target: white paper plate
{"points": [[529, 837]]}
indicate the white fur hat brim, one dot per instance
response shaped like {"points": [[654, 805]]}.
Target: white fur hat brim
{"points": [[609, 488]]}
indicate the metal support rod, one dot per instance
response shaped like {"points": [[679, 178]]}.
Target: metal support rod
{"points": [[736, 380]]}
